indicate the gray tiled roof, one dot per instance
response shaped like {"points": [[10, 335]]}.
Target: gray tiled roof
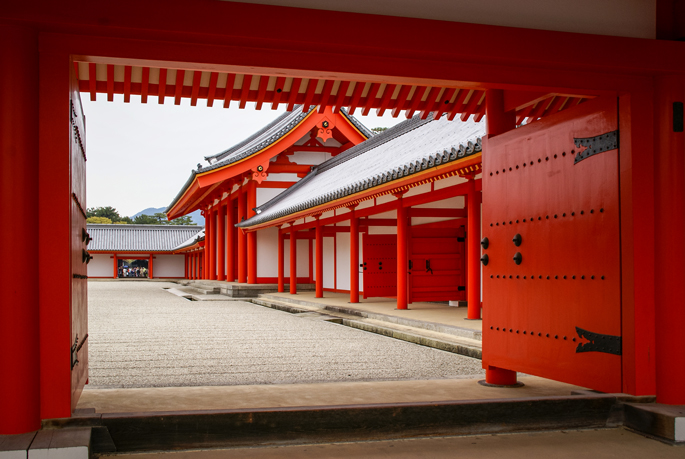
{"points": [[261, 139], [144, 238], [197, 237], [408, 148]]}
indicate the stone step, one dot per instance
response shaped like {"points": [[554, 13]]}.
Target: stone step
{"points": [[450, 343], [665, 422], [431, 326]]}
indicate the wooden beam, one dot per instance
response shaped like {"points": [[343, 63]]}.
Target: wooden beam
{"points": [[356, 96], [429, 104], [309, 95], [325, 95], [211, 92], [437, 212], [197, 76], [294, 90], [110, 82], [145, 82], [385, 100], [92, 80], [401, 100], [458, 103], [228, 92], [371, 98], [342, 92], [263, 83], [444, 102], [471, 106], [244, 90], [180, 76], [278, 90], [127, 83], [415, 100], [161, 87]]}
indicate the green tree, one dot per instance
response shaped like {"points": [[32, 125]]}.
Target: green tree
{"points": [[99, 220], [161, 218], [187, 220], [379, 129], [106, 212], [126, 220], [145, 220]]}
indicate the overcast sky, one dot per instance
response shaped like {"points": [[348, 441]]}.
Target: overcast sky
{"points": [[140, 155]]}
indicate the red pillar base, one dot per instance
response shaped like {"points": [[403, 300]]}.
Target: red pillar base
{"points": [[499, 377]]}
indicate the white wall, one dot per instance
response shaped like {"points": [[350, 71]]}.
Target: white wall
{"points": [[328, 263], [343, 261], [267, 252], [168, 266], [267, 194], [102, 265], [302, 258]]}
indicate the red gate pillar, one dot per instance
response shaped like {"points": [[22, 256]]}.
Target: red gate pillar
{"points": [[242, 238], [220, 240], [195, 266], [670, 231], [319, 257], [115, 262], [149, 267], [498, 122], [293, 262], [19, 328], [252, 235], [473, 253], [402, 260], [354, 256], [212, 244], [230, 241], [281, 261], [205, 250]]}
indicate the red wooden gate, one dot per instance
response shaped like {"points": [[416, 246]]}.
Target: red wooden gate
{"points": [[552, 304], [79, 253], [380, 264], [438, 269]]}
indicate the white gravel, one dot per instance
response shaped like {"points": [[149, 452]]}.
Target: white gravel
{"points": [[142, 336]]}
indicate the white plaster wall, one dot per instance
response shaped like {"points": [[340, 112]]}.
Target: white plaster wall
{"points": [[309, 157], [302, 258], [328, 263], [343, 260], [267, 252], [102, 265], [265, 195], [168, 266]]}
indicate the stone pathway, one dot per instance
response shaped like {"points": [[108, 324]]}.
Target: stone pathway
{"points": [[142, 336]]}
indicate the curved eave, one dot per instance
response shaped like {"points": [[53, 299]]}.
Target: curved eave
{"points": [[187, 201], [427, 175]]}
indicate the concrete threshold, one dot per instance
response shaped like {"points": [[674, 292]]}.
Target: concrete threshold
{"points": [[170, 430]]}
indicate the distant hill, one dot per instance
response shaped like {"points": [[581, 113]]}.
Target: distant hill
{"points": [[198, 219]]}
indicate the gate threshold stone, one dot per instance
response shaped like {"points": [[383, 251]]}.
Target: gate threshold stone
{"points": [[294, 425]]}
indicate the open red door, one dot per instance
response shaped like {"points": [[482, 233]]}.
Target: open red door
{"points": [[79, 248], [551, 274]]}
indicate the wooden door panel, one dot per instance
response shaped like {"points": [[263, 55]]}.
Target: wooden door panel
{"points": [[565, 208], [380, 265], [79, 253]]}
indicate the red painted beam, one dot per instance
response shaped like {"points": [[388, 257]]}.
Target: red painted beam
{"points": [[415, 100], [429, 104], [371, 98], [309, 95], [228, 91], [401, 100], [458, 103], [110, 82], [385, 100], [245, 90], [161, 87], [263, 83], [180, 76], [92, 81], [443, 103], [356, 96], [278, 90], [471, 105], [145, 81], [342, 92], [294, 90], [211, 91], [325, 95], [128, 70], [197, 76]]}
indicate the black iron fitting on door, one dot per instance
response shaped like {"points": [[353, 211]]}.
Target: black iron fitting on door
{"points": [[518, 258], [608, 344], [595, 145], [485, 259]]}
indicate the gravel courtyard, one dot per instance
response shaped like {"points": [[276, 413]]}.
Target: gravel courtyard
{"points": [[142, 336]]}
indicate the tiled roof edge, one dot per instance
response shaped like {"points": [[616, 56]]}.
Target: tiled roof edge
{"points": [[395, 173]]}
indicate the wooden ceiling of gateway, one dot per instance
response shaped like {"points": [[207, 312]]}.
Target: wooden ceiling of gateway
{"points": [[158, 83]]}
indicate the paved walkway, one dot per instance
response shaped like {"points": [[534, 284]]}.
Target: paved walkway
{"points": [[574, 444], [143, 336]]}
